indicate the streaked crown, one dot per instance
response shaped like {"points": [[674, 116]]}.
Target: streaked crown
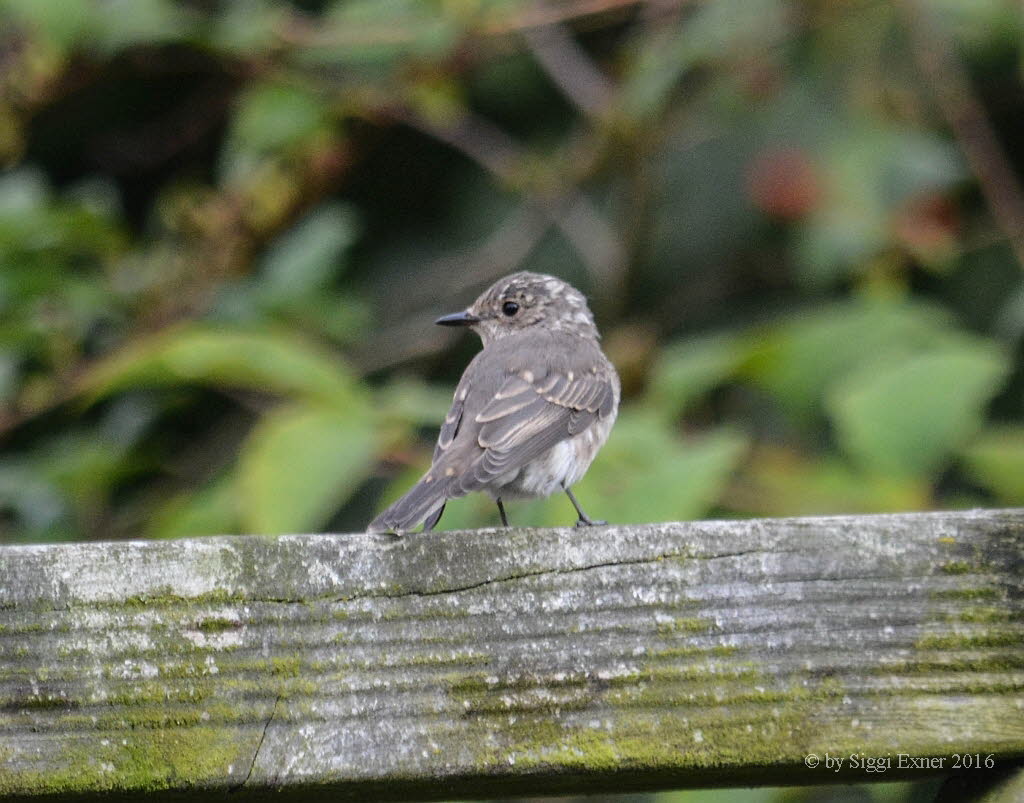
{"points": [[524, 300]]}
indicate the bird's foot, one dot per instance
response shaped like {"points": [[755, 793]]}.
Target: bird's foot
{"points": [[584, 519]]}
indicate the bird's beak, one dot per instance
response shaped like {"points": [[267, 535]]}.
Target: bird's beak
{"points": [[464, 318]]}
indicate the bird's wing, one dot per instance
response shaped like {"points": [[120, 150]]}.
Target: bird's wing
{"points": [[452, 421], [528, 415]]}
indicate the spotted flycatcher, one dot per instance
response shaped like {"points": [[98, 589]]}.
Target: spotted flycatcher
{"points": [[531, 410]]}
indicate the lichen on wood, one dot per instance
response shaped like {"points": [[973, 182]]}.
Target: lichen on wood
{"points": [[501, 661]]}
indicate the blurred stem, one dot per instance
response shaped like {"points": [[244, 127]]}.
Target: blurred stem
{"points": [[550, 13], [412, 335], [508, 246], [570, 68], [301, 30], [595, 241], [936, 57], [500, 253]]}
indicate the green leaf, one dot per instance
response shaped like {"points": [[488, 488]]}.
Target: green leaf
{"points": [[374, 33], [23, 191], [265, 361], [108, 26], [270, 119], [904, 414], [9, 369], [248, 26], [65, 22], [1009, 323], [302, 462], [781, 482], [995, 460], [308, 255], [271, 116], [687, 369], [869, 172], [414, 402], [713, 31], [124, 23], [213, 510], [86, 465], [985, 27], [797, 359], [336, 317], [31, 499]]}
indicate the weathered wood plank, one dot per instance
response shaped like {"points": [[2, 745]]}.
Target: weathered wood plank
{"points": [[492, 662]]}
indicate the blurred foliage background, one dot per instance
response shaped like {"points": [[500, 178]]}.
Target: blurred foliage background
{"points": [[227, 225]]}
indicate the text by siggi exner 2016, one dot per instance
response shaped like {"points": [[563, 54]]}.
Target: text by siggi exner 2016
{"points": [[899, 761]]}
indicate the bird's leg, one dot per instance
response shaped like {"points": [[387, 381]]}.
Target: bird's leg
{"points": [[433, 519], [584, 520], [501, 510]]}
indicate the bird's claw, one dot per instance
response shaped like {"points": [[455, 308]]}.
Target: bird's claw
{"points": [[590, 523]]}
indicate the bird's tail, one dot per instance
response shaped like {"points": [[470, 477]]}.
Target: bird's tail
{"points": [[422, 500]]}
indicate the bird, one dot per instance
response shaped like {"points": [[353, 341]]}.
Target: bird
{"points": [[532, 409]]}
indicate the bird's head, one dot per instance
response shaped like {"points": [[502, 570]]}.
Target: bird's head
{"points": [[522, 301]]}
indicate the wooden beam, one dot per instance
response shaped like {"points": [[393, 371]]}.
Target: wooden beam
{"points": [[489, 663]]}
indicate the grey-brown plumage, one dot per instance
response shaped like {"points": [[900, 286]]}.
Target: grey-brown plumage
{"points": [[531, 410]]}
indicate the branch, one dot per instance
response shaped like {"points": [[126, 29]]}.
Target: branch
{"points": [[570, 68], [594, 240], [936, 57]]}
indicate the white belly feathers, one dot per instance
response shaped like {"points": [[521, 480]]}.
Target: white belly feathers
{"points": [[560, 467]]}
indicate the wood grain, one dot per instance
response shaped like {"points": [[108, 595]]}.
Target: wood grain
{"points": [[494, 662]]}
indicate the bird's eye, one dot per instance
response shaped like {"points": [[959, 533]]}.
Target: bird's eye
{"points": [[510, 308]]}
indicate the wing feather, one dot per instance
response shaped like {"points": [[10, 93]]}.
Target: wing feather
{"points": [[502, 407], [525, 419], [513, 387], [452, 422], [589, 398], [579, 420]]}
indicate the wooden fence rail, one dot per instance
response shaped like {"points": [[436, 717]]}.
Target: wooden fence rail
{"points": [[490, 663]]}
